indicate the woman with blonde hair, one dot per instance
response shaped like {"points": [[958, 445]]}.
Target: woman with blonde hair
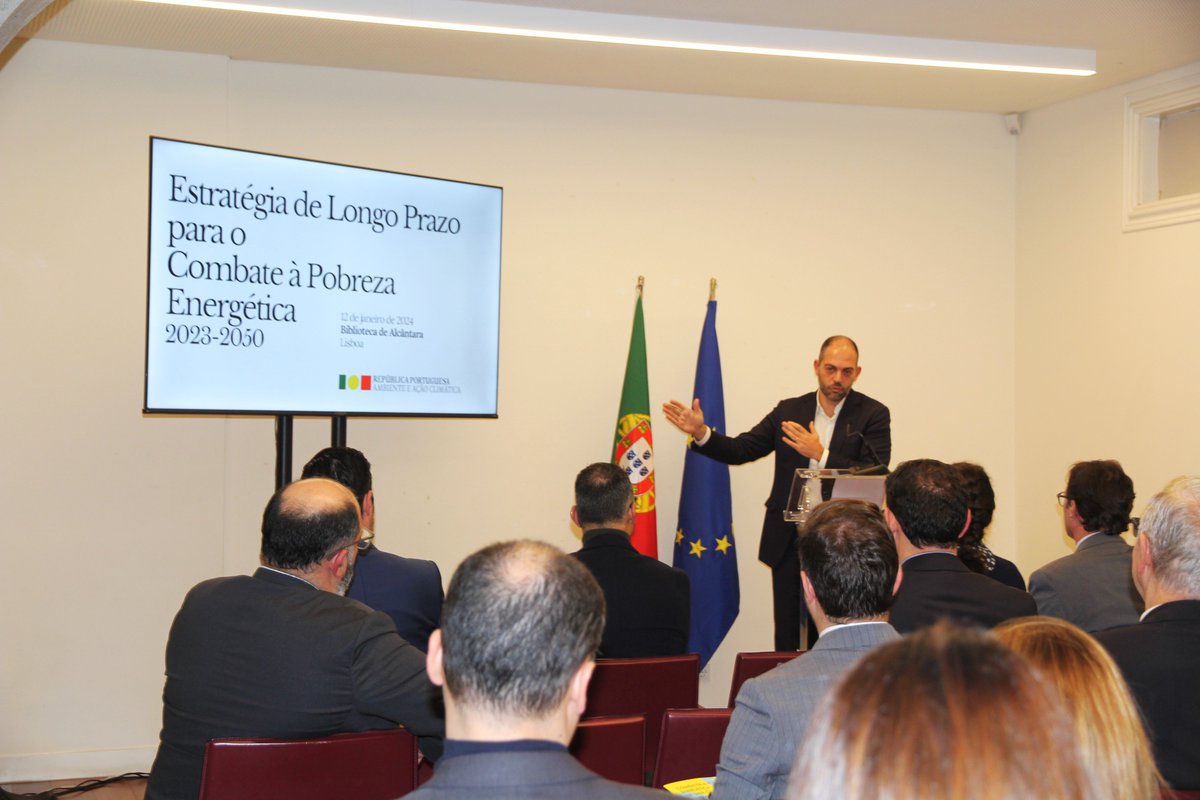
{"points": [[1107, 724], [944, 714]]}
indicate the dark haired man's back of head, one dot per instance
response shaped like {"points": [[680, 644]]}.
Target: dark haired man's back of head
{"points": [[649, 603], [927, 511], [849, 565], [409, 590]]}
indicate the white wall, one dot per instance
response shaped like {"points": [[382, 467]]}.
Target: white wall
{"points": [[1106, 321], [896, 227]]}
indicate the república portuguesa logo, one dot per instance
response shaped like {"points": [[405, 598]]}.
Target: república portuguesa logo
{"points": [[355, 382]]}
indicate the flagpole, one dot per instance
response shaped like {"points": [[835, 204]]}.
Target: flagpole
{"points": [[641, 284], [712, 289]]}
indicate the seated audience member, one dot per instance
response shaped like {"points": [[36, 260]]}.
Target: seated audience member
{"points": [[409, 590], [1159, 654], [649, 603], [971, 550], [281, 653], [1107, 725], [1093, 587], [928, 514], [514, 654], [849, 571], [944, 714]]}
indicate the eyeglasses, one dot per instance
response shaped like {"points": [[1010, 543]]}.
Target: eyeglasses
{"points": [[365, 540], [1063, 499]]}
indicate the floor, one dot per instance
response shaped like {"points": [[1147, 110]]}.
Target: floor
{"points": [[132, 789]]}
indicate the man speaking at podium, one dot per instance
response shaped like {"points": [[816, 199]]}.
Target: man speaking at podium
{"points": [[831, 428]]}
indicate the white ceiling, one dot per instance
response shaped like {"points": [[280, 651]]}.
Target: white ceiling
{"points": [[1132, 39]]}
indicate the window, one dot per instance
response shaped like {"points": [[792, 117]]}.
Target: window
{"points": [[1162, 154]]}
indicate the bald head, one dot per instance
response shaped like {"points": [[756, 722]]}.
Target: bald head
{"points": [[306, 521], [838, 342], [520, 619]]}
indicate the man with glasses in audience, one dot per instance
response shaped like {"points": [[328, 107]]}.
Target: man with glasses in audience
{"points": [[1093, 587], [409, 590], [282, 653], [1158, 655]]}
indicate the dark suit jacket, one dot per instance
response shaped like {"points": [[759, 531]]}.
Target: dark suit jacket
{"points": [[937, 585], [548, 774], [408, 590], [649, 603], [1092, 587], [860, 414], [272, 656], [1007, 573], [773, 711], [1158, 657]]}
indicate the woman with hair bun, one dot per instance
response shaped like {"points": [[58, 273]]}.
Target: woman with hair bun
{"points": [[971, 549]]}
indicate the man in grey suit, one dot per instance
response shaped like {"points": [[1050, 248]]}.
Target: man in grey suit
{"points": [[282, 654], [520, 628], [849, 572], [1093, 587]]}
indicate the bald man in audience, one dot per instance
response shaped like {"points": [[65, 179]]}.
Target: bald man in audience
{"points": [[1158, 655], [520, 628], [282, 653], [849, 572], [928, 514]]}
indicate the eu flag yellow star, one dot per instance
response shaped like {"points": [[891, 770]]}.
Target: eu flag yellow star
{"points": [[697, 548], [724, 544], [678, 536]]}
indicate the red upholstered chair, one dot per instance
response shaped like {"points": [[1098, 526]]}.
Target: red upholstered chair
{"points": [[1180, 794], [751, 665], [690, 744], [613, 747], [644, 686], [424, 771], [371, 765]]}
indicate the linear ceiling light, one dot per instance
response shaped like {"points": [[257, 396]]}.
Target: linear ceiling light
{"points": [[589, 26]]}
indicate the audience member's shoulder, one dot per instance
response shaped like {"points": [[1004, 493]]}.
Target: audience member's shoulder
{"points": [[403, 561], [1120, 639], [1053, 568], [216, 586]]}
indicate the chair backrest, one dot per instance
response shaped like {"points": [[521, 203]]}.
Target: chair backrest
{"points": [[371, 765], [613, 747], [644, 686], [690, 744], [751, 665]]}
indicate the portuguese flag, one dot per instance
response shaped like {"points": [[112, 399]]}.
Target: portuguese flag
{"points": [[633, 446]]}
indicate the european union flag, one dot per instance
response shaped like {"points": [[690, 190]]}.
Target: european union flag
{"points": [[704, 544]]}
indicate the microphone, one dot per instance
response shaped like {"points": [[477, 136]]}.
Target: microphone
{"points": [[870, 469]]}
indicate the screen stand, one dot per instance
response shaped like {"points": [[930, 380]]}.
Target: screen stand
{"points": [[283, 451], [337, 430]]}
